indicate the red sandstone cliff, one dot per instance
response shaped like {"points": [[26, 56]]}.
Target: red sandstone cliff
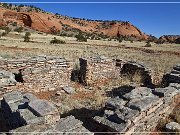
{"points": [[50, 23]]}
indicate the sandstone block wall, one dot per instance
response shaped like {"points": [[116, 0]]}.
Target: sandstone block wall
{"points": [[39, 73], [96, 70], [139, 109], [131, 69], [172, 77]]}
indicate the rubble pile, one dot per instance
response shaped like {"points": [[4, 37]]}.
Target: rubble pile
{"points": [[24, 112]]}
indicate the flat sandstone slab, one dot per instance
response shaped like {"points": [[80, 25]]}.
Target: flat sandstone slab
{"points": [[42, 107], [13, 97]]}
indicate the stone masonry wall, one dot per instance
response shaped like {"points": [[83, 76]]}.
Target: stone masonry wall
{"points": [[138, 110], [39, 73], [96, 70]]}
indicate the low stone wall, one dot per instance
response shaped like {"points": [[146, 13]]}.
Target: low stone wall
{"points": [[133, 69], [95, 70], [172, 77], [139, 109], [39, 73]]}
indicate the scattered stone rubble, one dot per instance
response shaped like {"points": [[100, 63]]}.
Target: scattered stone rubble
{"points": [[66, 126], [21, 109], [26, 113], [139, 110], [41, 73]]}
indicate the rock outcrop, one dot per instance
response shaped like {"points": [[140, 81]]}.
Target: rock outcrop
{"points": [[170, 38]]}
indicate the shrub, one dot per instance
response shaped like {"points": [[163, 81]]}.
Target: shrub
{"points": [[160, 41], [14, 24], [7, 29], [97, 38], [20, 29], [4, 34], [177, 41], [148, 44], [57, 41], [81, 38], [27, 37]]}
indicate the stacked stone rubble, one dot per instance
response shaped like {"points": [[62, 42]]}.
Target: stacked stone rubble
{"points": [[24, 112], [39, 73], [20, 109], [172, 77], [139, 110]]}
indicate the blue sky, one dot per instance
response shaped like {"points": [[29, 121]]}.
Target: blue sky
{"points": [[156, 19]]}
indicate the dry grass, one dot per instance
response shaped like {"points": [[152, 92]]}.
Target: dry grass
{"points": [[161, 61], [159, 58]]}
